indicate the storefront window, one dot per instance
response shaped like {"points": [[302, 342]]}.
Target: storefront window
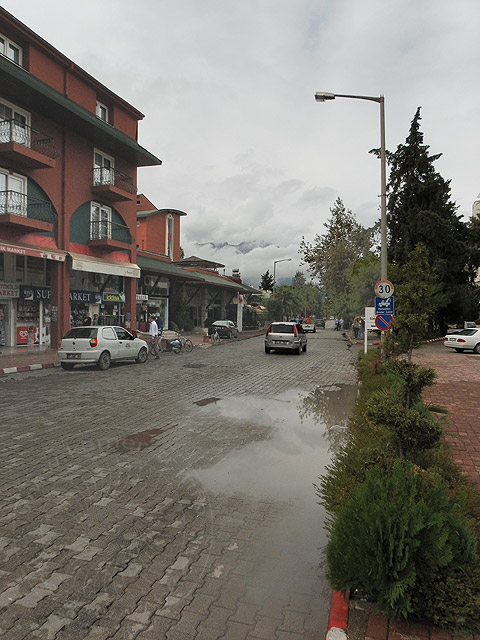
{"points": [[20, 268], [35, 270]]}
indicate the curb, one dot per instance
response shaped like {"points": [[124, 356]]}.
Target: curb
{"points": [[28, 367], [337, 621]]}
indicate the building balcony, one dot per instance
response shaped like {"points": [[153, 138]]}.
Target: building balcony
{"points": [[22, 147], [22, 212], [109, 235], [113, 186]]}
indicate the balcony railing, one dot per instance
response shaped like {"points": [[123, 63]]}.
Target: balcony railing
{"points": [[103, 176], [19, 204], [106, 230], [13, 131]]}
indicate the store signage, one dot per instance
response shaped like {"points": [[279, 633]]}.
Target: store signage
{"points": [[142, 297], [28, 251], [110, 296], [34, 293], [43, 293], [8, 290], [88, 297]]}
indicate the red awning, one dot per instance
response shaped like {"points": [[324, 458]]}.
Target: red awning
{"points": [[24, 250]]}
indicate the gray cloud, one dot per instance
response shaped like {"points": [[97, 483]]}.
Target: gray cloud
{"points": [[227, 88]]}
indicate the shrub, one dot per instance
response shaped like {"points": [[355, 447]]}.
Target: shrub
{"points": [[414, 429], [394, 535]]}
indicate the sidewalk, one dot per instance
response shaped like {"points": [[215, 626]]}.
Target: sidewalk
{"points": [[456, 389], [31, 358]]}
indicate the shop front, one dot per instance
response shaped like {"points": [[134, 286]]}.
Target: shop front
{"points": [[33, 316], [112, 309], [9, 294]]}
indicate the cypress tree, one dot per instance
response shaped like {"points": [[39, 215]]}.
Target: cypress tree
{"points": [[420, 210]]}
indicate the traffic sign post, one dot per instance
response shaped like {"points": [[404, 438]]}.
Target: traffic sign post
{"points": [[384, 289]]}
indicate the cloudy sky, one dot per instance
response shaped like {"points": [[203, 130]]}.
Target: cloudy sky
{"points": [[227, 88]]}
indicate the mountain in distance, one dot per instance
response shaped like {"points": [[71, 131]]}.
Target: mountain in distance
{"points": [[242, 247]]}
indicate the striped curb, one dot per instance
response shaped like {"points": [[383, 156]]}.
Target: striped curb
{"points": [[28, 367], [337, 621]]}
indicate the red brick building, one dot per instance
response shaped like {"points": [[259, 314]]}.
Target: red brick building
{"points": [[69, 155]]}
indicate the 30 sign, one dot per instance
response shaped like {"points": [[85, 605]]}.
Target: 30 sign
{"points": [[384, 289]]}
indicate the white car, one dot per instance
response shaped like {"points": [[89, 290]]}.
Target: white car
{"points": [[464, 340], [100, 345]]}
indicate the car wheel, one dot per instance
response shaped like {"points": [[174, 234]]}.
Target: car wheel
{"points": [[476, 348], [459, 350], [267, 349], [104, 361], [314, 329], [298, 351], [142, 356], [304, 348], [68, 366]]}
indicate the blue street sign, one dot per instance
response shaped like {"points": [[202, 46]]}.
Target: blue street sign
{"points": [[385, 306]]}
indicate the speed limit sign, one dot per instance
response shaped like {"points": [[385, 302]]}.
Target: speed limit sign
{"points": [[384, 289]]}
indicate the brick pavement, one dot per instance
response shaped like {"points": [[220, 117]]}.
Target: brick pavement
{"points": [[126, 513], [456, 389]]}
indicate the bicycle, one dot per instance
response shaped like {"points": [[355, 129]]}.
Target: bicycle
{"points": [[186, 343]]}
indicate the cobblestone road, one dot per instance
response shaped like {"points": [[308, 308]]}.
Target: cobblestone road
{"points": [[157, 501]]}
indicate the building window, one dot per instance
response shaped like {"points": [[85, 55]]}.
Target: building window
{"points": [[102, 111], [169, 247], [103, 171], [100, 222], [13, 194], [11, 50], [14, 124]]}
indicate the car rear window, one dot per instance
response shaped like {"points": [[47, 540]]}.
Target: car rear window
{"points": [[282, 328], [82, 332]]}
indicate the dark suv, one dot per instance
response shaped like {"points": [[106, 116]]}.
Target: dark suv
{"points": [[285, 336]]}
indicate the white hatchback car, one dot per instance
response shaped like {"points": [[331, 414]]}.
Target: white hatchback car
{"points": [[464, 340], [100, 345]]}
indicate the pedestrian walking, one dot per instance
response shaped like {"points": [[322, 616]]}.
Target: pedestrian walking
{"points": [[355, 327], [336, 324], [153, 331]]}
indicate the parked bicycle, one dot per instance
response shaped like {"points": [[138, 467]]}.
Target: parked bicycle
{"points": [[164, 344], [185, 343]]}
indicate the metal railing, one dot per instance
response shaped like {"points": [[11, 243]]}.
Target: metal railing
{"points": [[14, 131], [19, 204], [107, 176], [106, 230]]}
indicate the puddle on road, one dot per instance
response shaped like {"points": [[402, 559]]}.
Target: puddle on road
{"points": [[137, 441], [204, 401], [306, 429]]}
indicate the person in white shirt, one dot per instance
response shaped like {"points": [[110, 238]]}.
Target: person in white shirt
{"points": [[153, 331]]}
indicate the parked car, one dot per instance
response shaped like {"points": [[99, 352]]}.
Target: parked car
{"points": [[320, 323], [464, 340], [225, 329], [309, 325], [100, 345], [285, 336]]}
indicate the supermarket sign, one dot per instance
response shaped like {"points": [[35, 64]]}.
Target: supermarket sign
{"points": [[8, 290]]}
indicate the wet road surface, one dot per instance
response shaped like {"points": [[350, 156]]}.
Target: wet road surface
{"points": [[173, 499]]}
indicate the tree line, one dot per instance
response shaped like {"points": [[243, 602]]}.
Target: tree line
{"points": [[433, 255]]}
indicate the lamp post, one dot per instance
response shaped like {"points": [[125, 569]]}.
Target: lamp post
{"points": [[275, 266], [323, 96]]}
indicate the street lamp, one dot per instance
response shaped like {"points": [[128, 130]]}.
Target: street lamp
{"points": [[275, 265], [323, 96]]}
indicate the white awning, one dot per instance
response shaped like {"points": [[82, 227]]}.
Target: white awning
{"points": [[94, 265]]}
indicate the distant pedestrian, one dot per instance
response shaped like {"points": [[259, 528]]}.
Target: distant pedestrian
{"points": [[341, 322], [336, 324], [95, 320], [355, 327], [87, 321], [153, 331]]}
